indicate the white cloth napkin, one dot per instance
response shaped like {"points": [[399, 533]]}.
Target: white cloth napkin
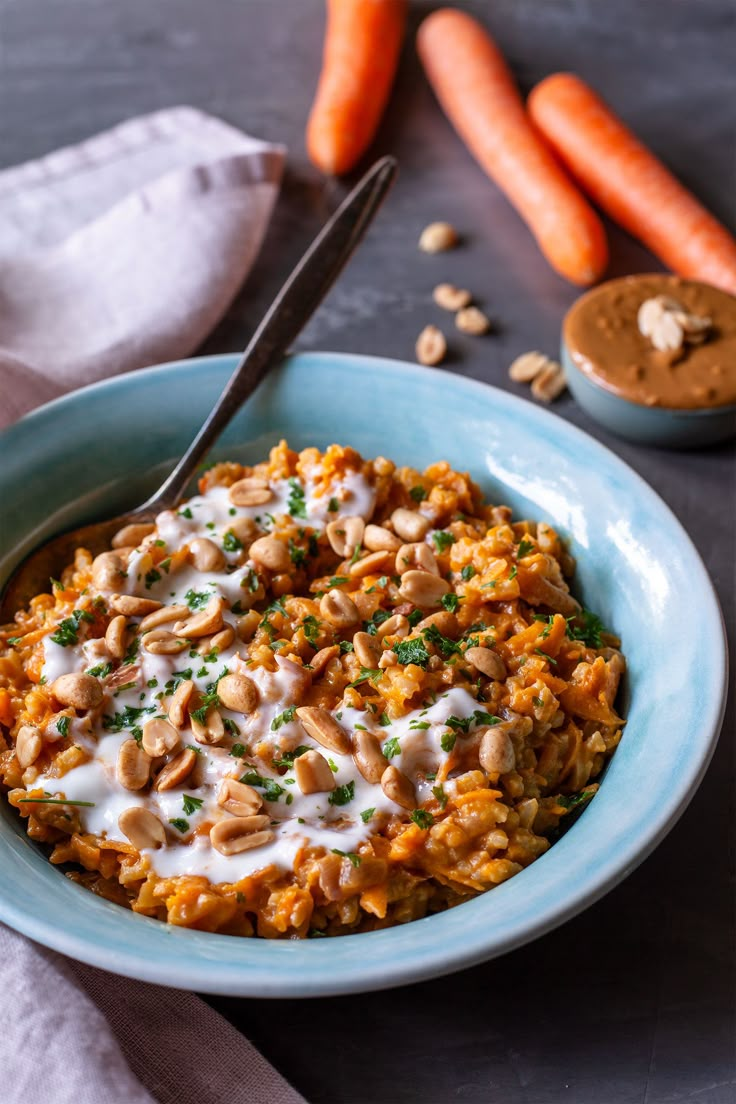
{"points": [[117, 253], [125, 250]]}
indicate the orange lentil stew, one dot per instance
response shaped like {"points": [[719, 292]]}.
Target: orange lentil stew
{"points": [[325, 695]]}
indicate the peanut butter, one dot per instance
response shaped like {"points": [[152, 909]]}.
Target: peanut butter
{"points": [[657, 340]]}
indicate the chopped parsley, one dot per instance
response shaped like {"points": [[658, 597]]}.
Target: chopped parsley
{"points": [[342, 795], [378, 617], [367, 674], [298, 555], [67, 633], [477, 717], [271, 789], [467, 572], [152, 576], [384, 720], [180, 824], [366, 815], [231, 543], [513, 573], [414, 618], [450, 602], [296, 505], [333, 505], [354, 859], [127, 719], [443, 540], [412, 651], [287, 757], [418, 493], [444, 644], [525, 547], [447, 741], [549, 658], [310, 624], [62, 726], [346, 646], [392, 747], [102, 670], [440, 795], [237, 751], [191, 804], [209, 698], [186, 512], [378, 585], [422, 818], [283, 718], [177, 677], [338, 580], [197, 599], [589, 632]]}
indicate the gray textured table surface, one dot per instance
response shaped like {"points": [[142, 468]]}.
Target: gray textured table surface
{"points": [[633, 1001]]}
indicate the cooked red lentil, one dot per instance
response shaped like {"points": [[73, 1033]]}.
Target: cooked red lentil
{"points": [[326, 695]]}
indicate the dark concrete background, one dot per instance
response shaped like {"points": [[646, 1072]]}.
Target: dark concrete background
{"points": [[632, 1002]]}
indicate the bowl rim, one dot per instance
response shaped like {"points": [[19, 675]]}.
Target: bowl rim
{"points": [[273, 973]]}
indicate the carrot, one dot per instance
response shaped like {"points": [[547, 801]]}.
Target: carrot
{"points": [[478, 94], [631, 185], [362, 45]]}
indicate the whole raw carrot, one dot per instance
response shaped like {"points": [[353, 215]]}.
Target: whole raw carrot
{"points": [[630, 183], [477, 92], [362, 45]]}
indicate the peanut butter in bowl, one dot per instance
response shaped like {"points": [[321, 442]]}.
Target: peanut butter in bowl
{"points": [[653, 357]]}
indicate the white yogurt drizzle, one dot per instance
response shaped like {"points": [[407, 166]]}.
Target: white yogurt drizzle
{"points": [[298, 819]]}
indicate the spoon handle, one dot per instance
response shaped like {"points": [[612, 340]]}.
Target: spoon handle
{"points": [[291, 309]]}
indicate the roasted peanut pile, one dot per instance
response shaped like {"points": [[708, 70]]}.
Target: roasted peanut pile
{"points": [[325, 695]]}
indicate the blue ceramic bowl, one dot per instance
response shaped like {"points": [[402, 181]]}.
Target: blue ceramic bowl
{"points": [[106, 446]]}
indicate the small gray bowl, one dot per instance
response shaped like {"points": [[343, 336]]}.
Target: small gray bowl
{"points": [[649, 425]]}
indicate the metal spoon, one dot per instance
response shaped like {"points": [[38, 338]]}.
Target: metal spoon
{"points": [[291, 309]]}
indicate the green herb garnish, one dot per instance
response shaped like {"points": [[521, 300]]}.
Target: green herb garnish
{"points": [[191, 804], [67, 633], [231, 543], [296, 505], [411, 651], [443, 540], [392, 747], [354, 859], [271, 789], [441, 796], [341, 795], [283, 718], [287, 757]]}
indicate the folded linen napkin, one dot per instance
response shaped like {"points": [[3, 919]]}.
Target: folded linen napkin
{"points": [[125, 250], [120, 252]]}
